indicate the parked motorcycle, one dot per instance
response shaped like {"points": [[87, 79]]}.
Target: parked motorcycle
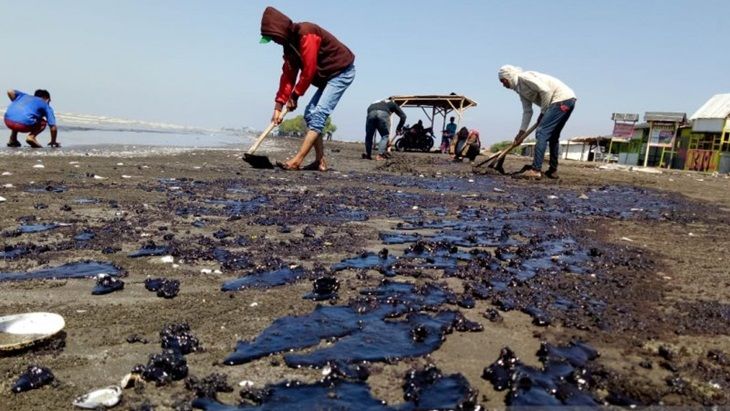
{"points": [[413, 139]]}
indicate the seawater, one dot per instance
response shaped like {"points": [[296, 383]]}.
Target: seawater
{"points": [[150, 138], [134, 141]]}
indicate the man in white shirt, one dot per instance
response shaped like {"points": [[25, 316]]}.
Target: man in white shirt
{"points": [[556, 102]]}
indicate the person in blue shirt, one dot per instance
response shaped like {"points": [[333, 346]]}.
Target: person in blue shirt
{"points": [[30, 114], [447, 135]]}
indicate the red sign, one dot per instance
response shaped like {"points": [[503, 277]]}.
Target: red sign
{"points": [[623, 130]]}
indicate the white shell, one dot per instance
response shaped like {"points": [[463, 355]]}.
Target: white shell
{"points": [[104, 397], [21, 330]]}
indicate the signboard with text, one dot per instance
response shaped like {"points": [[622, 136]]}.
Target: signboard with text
{"points": [[623, 130], [662, 134], [623, 126]]}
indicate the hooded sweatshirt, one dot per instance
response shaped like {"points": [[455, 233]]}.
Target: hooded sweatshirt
{"points": [[534, 88], [307, 48]]}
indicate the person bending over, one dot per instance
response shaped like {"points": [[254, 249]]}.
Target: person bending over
{"points": [[316, 57], [378, 118], [556, 101], [468, 147], [30, 114]]}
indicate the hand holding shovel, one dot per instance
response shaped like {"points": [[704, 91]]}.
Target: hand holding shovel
{"points": [[262, 161], [496, 160]]}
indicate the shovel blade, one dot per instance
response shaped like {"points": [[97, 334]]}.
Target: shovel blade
{"points": [[257, 161]]}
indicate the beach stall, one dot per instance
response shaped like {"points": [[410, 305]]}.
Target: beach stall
{"points": [[586, 148], [577, 148], [435, 106], [705, 146], [624, 128], [651, 143], [658, 149]]}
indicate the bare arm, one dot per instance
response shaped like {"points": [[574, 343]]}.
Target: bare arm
{"points": [[54, 135]]}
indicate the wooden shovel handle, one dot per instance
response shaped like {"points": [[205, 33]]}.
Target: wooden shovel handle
{"points": [[265, 133], [503, 153]]}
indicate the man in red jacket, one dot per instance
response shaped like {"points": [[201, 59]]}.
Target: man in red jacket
{"points": [[317, 58]]}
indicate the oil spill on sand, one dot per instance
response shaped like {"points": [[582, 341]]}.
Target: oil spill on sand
{"points": [[342, 395], [150, 249], [178, 337], [424, 389], [534, 248], [34, 377], [106, 284], [36, 228], [164, 287], [83, 269], [517, 264], [565, 379], [13, 252], [163, 368], [369, 260], [324, 288], [385, 340], [265, 279], [363, 319], [171, 364]]}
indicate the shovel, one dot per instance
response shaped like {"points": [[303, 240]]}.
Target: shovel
{"points": [[496, 160], [261, 161]]}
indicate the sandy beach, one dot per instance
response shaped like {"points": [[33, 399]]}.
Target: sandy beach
{"points": [[632, 264]]}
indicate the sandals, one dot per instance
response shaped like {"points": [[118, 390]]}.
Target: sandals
{"points": [[14, 144], [54, 145]]}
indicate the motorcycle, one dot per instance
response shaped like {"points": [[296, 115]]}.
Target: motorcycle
{"points": [[413, 139]]}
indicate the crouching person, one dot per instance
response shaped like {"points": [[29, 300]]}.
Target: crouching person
{"points": [[468, 147], [30, 114]]}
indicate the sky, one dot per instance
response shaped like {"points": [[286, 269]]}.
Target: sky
{"points": [[199, 63]]}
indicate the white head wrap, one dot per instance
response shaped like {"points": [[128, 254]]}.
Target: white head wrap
{"points": [[510, 73]]}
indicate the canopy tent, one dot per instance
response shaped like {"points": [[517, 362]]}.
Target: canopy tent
{"points": [[440, 105]]}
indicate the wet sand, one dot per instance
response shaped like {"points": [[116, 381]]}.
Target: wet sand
{"points": [[651, 293]]}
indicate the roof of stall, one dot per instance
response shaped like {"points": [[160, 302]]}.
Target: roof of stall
{"points": [[718, 106], [446, 102], [590, 139], [665, 116]]}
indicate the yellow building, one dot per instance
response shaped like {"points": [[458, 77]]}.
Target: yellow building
{"points": [[707, 143]]}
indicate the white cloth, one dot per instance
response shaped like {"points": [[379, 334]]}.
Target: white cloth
{"points": [[534, 88]]}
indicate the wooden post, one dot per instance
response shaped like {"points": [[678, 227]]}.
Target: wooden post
{"points": [[674, 144], [648, 141], [610, 146]]}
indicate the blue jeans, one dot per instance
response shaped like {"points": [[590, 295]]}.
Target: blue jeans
{"points": [[325, 100], [377, 121], [549, 130]]}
